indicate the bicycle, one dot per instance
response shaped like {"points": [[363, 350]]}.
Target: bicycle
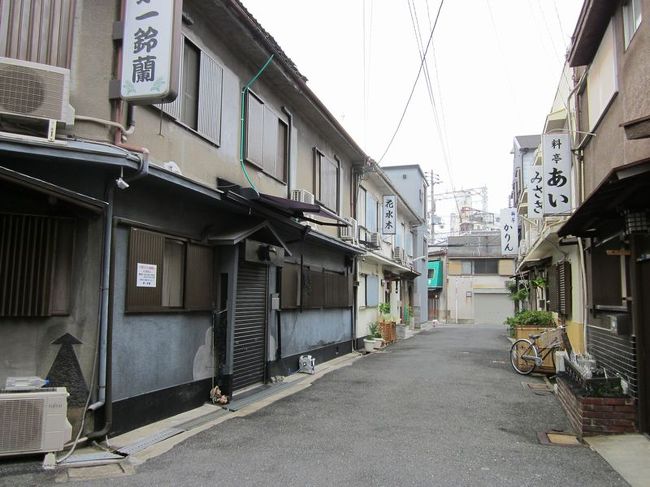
{"points": [[526, 354]]}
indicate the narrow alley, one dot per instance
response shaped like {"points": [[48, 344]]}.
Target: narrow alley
{"points": [[442, 408]]}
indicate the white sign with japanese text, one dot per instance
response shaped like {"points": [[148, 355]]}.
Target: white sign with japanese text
{"points": [[147, 49], [389, 214], [146, 275], [556, 158], [509, 231], [535, 189]]}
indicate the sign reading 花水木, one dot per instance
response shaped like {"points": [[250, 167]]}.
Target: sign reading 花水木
{"points": [[389, 214]]}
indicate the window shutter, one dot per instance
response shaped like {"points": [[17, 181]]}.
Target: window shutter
{"points": [[173, 109], [564, 286], [553, 289], [290, 290], [269, 144], [254, 130], [198, 277], [371, 213], [210, 96], [144, 248]]}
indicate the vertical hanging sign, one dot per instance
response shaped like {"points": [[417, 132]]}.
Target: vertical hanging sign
{"points": [[150, 51], [556, 157], [509, 231], [389, 214], [535, 188]]}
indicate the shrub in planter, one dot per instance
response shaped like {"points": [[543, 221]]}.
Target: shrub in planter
{"points": [[531, 319]]}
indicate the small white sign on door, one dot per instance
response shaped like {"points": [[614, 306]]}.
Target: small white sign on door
{"points": [[146, 275]]}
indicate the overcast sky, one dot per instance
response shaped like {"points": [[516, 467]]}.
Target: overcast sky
{"points": [[494, 66]]}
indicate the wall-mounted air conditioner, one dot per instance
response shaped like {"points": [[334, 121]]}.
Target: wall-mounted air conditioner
{"points": [[33, 421], [374, 239], [303, 196], [350, 233], [33, 90], [399, 254]]}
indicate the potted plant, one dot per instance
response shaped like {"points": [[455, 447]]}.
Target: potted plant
{"points": [[374, 337], [387, 324], [527, 322]]}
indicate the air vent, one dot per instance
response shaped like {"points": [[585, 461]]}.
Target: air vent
{"points": [[35, 90]]}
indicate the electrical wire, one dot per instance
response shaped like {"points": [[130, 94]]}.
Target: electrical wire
{"points": [[408, 101]]}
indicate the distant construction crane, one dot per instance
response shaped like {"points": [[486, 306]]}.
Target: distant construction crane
{"points": [[468, 218]]}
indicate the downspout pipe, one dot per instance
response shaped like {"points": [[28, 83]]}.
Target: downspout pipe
{"points": [[242, 137]]}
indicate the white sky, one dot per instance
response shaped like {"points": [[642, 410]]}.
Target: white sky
{"points": [[498, 66]]}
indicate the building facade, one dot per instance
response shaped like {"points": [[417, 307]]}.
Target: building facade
{"points": [[152, 251], [610, 225]]}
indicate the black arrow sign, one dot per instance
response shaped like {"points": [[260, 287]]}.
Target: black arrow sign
{"points": [[66, 371]]}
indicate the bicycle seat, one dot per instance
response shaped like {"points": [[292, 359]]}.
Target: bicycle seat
{"points": [[534, 337]]}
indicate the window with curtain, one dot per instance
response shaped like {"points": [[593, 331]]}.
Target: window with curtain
{"points": [[266, 138]]}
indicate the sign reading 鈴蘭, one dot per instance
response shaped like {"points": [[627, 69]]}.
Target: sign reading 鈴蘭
{"points": [[556, 157], [535, 188], [389, 215], [509, 231], [150, 51]]}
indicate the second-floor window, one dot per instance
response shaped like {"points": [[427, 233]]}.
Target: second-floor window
{"points": [[631, 19], [326, 180], [198, 104], [267, 138]]}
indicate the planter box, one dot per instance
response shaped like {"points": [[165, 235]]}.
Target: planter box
{"points": [[388, 331], [590, 415], [523, 332]]}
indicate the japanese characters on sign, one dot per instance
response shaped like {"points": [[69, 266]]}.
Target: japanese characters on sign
{"points": [[509, 231], [535, 188], [389, 215], [146, 275], [556, 157], [149, 53]]}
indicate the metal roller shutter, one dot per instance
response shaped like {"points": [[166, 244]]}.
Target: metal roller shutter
{"points": [[249, 359]]}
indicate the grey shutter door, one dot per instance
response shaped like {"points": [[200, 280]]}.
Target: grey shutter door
{"points": [[249, 353], [210, 94]]}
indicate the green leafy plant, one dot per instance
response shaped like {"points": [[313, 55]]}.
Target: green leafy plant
{"points": [[539, 282], [532, 318], [373, 330], [384, 308]]}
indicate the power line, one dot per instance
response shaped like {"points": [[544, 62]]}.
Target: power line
{"points": [[408, 101]]}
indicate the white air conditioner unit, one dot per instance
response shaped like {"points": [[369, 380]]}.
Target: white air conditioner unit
{"points": [[351, 231], [399, 254], [34, 90], [34, 421], [374, 239], [302, 195]]}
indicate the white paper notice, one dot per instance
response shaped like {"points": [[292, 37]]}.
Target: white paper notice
{"points": [[146, 275]]}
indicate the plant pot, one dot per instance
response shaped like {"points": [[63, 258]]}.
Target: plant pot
{"points": [[369, 344], [378, 343]]}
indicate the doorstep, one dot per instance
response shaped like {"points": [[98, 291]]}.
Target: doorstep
{"points": [[628, 454]]}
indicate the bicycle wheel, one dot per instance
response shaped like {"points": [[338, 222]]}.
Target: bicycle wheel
{"points": [[522, 356]]}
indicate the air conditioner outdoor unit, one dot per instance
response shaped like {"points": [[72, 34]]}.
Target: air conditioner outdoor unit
{"points": [[33, 421], [34, 90], [374, 240], [302, 195], [350, 232], [399, 254]]}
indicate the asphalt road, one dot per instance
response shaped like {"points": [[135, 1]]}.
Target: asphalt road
{"points": [[443, 408]]}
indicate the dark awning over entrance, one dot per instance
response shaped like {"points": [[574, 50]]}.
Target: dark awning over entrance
{"points": [[625, 188], [296, 209]]}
